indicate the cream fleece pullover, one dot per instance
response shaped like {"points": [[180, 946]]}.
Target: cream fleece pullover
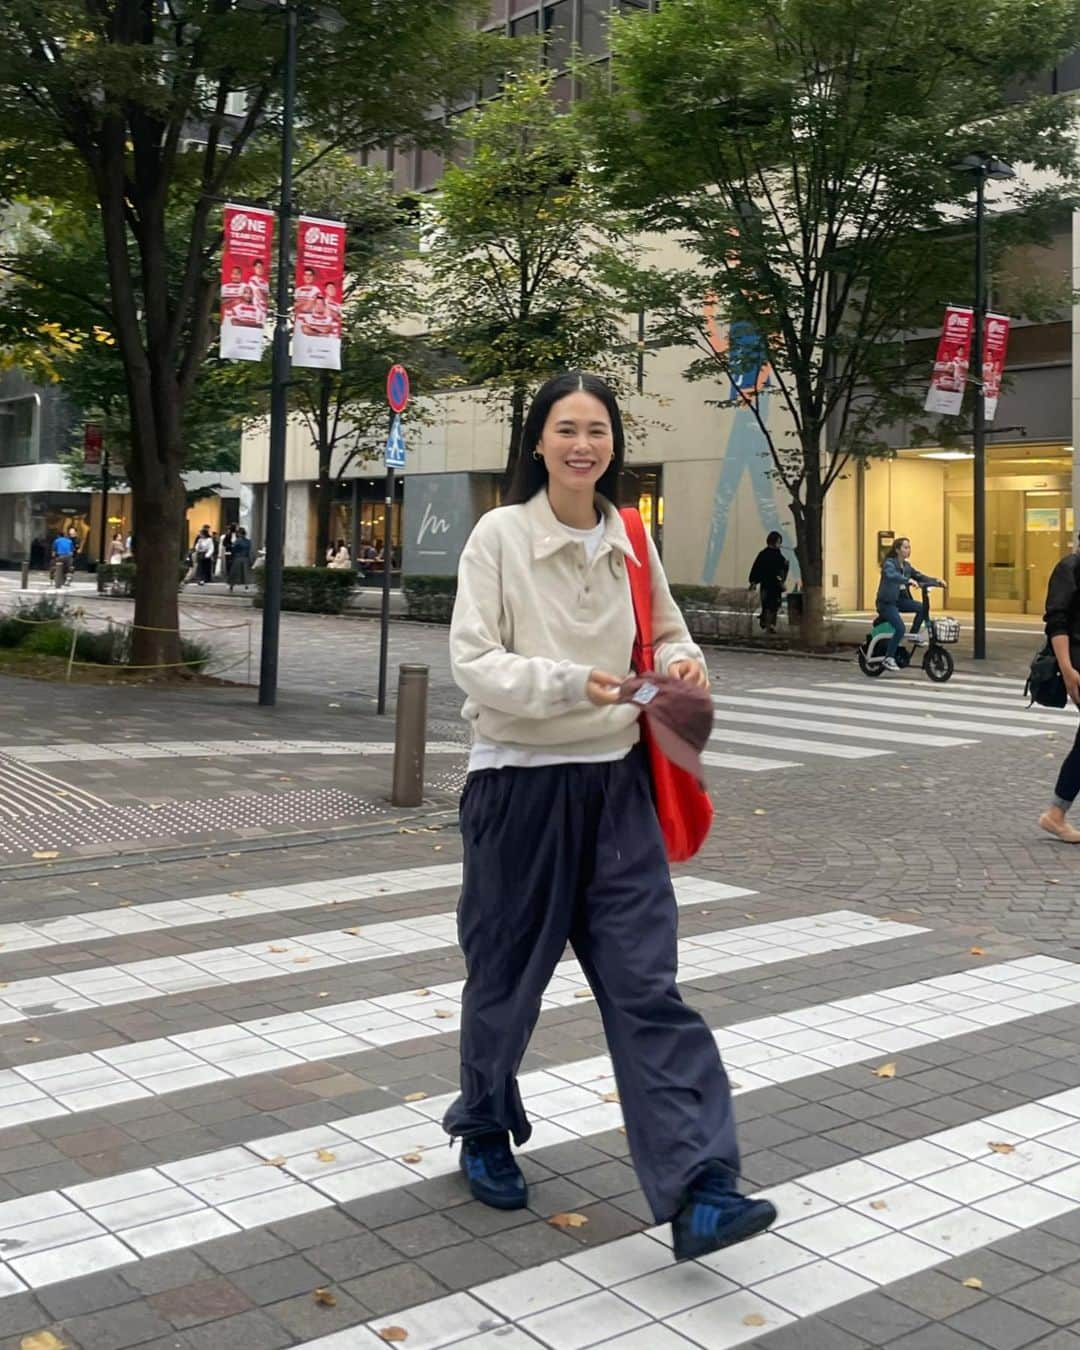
{"points": [[533, 618]]}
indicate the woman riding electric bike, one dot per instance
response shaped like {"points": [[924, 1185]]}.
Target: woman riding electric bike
{"points": [[894, 599]]}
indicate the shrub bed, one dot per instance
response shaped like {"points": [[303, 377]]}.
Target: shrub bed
{"points": [[430, 599], [310, 590]]}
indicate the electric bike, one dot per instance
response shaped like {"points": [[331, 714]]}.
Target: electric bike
{"points": [[937, 660]]}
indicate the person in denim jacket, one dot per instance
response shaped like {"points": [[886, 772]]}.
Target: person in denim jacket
{"points": [[894, 598]]}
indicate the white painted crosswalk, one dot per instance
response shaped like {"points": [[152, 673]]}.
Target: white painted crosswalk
{"points": [[861, 720], [845, 1231]]}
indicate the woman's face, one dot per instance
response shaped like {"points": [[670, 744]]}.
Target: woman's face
{"points": [[905, 550], [577, 442]]}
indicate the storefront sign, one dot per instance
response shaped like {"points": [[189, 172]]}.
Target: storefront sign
{"points": [[320, 274], [965, 569], [995, 343], [947, 383], [440, 512], [245, 281]]}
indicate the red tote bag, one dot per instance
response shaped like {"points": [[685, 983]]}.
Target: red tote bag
{"points": [[682, 804]]}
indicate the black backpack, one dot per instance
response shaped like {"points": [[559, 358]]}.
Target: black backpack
{"points": [[1044, 684]]}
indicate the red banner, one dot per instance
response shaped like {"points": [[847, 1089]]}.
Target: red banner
{"points": [[93, 440], [320, 273], [995, 344], [245, 281], [951, 365]]}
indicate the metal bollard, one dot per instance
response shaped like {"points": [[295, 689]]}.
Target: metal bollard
{"points": [[410, 736], [25, 577]]}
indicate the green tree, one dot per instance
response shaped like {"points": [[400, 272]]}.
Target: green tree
{"points": [[801, 150], [520, 238], [129, 109]]}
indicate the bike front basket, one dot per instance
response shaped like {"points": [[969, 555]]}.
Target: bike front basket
{"points": [[946, 630]]}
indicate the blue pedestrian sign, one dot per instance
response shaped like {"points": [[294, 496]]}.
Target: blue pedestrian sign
{"points": [[395, 446]]}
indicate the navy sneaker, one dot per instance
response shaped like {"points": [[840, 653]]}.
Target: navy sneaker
{"points": [[716, 1216], [493, 1174]]}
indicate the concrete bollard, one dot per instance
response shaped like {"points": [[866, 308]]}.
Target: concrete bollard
{"points": [[410, 736], [24, 580]]}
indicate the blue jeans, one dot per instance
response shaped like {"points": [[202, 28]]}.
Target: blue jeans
{"points": [[891, 614]]}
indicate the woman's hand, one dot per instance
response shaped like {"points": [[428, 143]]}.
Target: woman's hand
{"points": [[602, 688], [693, 672]]}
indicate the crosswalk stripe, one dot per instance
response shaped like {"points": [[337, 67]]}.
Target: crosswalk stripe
{"points": [[845, 1231], [889, 697], [86, 752], [97, 925], [747, 763], [985, 704], [816, 702], [795, 744], [70, 1083], [745, 716], [106, 986], [59, 1234]]}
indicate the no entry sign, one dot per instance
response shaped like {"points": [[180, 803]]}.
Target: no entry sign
{"points": [[397, 388]]}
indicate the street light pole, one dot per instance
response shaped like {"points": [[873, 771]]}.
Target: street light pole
{"points": [[978, 436], [279, 389], [982, 167]]}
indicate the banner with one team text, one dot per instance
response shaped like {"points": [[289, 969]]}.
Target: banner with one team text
{"points": [[320, 273], [995, 345], [946, 394], [245, 281]]}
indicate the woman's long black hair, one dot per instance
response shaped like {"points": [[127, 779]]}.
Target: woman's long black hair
{"points": [[898, 542], [531, 474]]}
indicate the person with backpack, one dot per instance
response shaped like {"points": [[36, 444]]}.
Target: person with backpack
{"points": [[1062, 620], [560, 831], [769, 573]]}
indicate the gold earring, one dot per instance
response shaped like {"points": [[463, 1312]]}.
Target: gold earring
{"points": [[537, 455]]}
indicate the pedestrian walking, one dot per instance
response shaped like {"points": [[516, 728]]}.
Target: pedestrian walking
{"points": [[240, 567], [204, 555], [116, 549], [560, 832], [894, 598], [62, 559], [769, 573], [1062, 620], [224, 567]]}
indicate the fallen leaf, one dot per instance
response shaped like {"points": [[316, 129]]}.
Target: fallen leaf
{"points": [[300, 960], [279, 1161], [753, 1320], [568, 1220], [279, 949], [583, 993], [885, 1071], [977, 951], [413, 1157], [32, 1040], [325, 1155], [42, 1340], [423, 993], [354, 932], [325, 994], [41, 856], [973, 1282], [610, 1097], [416, 1096], [325, 1297], [878, 1204], [234, 894], [443, 1012], [758, 811], [622, 1129], [749, 916], [394, 1334], [998, 1147], [124, 904]]}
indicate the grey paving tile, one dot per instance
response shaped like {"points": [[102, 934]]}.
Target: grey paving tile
{"points": [[1055, 1299], [275, 1280], [400, 1286], [876, 1319], [254, 1330], [999, 1326], [88, 1294], [117, 1328], [428, 1233]]}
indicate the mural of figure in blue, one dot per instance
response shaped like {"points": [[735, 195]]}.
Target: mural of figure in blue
{"points": [[746, 450]]}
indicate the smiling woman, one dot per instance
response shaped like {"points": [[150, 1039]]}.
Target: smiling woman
{"points": [[560, 830]]}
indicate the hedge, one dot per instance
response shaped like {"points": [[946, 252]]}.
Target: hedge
{"points": [[118, 579], [310, 590], [430, 599]]}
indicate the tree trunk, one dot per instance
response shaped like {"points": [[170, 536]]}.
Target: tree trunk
{"points": [[517, 426], [325, 448], [159, 511], [810, 539]]}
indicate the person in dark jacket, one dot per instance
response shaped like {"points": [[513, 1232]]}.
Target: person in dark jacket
{"points": [[894, 598], [769, 572], [1062, 619]]}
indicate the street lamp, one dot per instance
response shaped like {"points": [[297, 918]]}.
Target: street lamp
{"points": [[982, 167]]}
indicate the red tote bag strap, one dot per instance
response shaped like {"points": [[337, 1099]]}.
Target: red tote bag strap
{"points": [[640, 589]]}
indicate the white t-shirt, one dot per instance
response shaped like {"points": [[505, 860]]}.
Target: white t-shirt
{"points": [[488, 755]]}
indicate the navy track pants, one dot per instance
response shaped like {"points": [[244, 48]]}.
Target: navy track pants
{"points": [[574, 853]]}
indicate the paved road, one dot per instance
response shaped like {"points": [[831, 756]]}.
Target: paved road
{"points": [[224, 1070]]}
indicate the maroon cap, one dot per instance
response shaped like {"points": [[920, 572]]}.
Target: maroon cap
{"points": [[679, 714]]}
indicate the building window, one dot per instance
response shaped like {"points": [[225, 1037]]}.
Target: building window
{"points": [[527, 26], [19, 430], [557, 34], [595, 15], [1067, 74]]}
